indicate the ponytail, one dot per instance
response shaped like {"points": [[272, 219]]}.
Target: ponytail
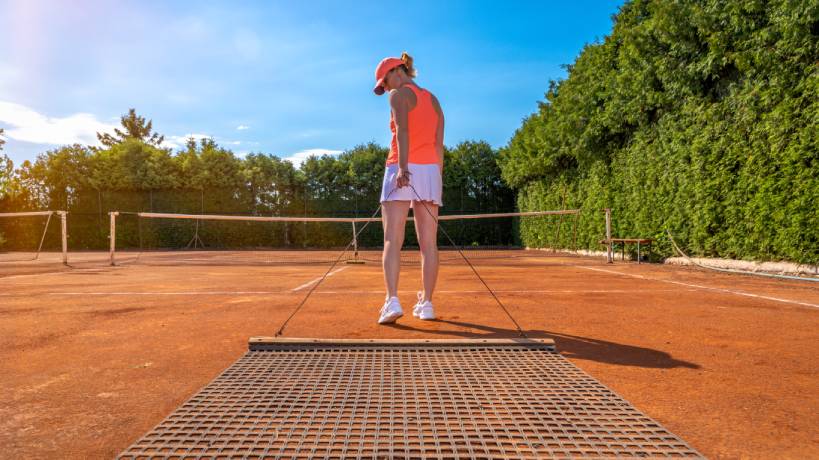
{"points": [[409, 69]]}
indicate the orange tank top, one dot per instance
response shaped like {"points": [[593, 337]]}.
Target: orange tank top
{"points": [[422, 123]]}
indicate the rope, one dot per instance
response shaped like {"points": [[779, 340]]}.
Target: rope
{"points": [[42, 239], [520, 331], [728, 270], [355, 236], [315, 285]]}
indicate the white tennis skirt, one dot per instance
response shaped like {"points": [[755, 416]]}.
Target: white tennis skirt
{"points": [[424, 178]]}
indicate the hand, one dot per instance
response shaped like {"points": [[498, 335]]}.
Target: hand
{"points": [[403, 177]]}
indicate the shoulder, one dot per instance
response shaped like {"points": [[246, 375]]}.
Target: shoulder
{"points": [[401, 96]]}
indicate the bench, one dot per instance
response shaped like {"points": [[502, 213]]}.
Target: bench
{"points": [[625, 241]]}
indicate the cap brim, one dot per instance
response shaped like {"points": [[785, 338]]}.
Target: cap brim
{"points": [[379, 89]]}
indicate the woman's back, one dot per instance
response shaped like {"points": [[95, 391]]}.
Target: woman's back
{"points": [[422, 124]]}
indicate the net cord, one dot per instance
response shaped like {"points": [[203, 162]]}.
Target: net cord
{"points": [[27, 213], [156, 215]]}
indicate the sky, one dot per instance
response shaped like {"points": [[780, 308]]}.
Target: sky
{"points": [[285, 78]]}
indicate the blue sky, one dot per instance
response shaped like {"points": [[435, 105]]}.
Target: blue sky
{"points": [[284, 78]]}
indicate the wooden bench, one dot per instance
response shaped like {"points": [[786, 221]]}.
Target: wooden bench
{"points": [[625, 241]]}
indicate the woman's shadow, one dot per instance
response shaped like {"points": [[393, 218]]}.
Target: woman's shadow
{"points": [[571, 346]]}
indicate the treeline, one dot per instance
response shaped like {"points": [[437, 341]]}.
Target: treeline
{"points": [[132, 173], [700, 117]]}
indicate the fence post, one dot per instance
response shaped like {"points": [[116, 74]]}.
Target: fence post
{"points": [[64, 236], [609, 257], [355, 241], [112, 235]]}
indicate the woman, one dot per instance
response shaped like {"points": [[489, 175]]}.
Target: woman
{"points": [[412, 179]]}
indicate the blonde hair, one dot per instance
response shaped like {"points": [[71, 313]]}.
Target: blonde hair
{"points": [[408, 67]]}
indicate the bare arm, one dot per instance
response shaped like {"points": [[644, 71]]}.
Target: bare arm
{"points": [[399, 104], [439, 132]]}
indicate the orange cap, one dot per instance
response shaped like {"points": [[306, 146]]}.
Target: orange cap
{"points": [[384, 66]]}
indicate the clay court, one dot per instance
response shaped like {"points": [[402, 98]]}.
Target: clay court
{"points": [[94, 356]]}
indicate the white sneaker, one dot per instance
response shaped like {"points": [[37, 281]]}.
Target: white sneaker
{"points": [[423, 309], [391, 311]]}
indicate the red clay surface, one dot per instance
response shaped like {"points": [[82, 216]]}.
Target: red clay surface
{"points": [[92, 357]]}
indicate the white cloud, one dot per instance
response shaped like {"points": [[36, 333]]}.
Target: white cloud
{"points": [[26, 124], [21, 123], [242, 127], [298, 158], [177, 142]]}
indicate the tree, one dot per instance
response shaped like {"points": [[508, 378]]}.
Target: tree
{"points": [[326, 182], [365, 171], [135, 127], [472, 170], [6, 169], [58, 174], [5, 176], [270, 183], [221, 166], [215, 173], [6, 182], [133, 165]]}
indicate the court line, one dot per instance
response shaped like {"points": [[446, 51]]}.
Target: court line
{"points": [[508, 291], [59, 272], [407, 292], [124, 264], [708, 288], [3, 278], [310, 283]]}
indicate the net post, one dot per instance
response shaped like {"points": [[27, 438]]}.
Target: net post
{"points": [[609, 257], [638, 251], [560, 220], [574, 231], [355, 242], [64, 235], [557, 236], [112, 235]]}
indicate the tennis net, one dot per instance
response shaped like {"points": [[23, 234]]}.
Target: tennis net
{"points": [[24, 236], [207, 239]]}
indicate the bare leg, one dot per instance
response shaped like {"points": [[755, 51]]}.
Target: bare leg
{"points": [[394, 218], [426, 227]]}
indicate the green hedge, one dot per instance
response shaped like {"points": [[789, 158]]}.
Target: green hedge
{"points": [[701, 117]]}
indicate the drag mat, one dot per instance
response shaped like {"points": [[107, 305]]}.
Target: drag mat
{"points": [[335, 398]]}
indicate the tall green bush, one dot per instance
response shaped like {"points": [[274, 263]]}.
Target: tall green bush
{"points": [[700, 117]]}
